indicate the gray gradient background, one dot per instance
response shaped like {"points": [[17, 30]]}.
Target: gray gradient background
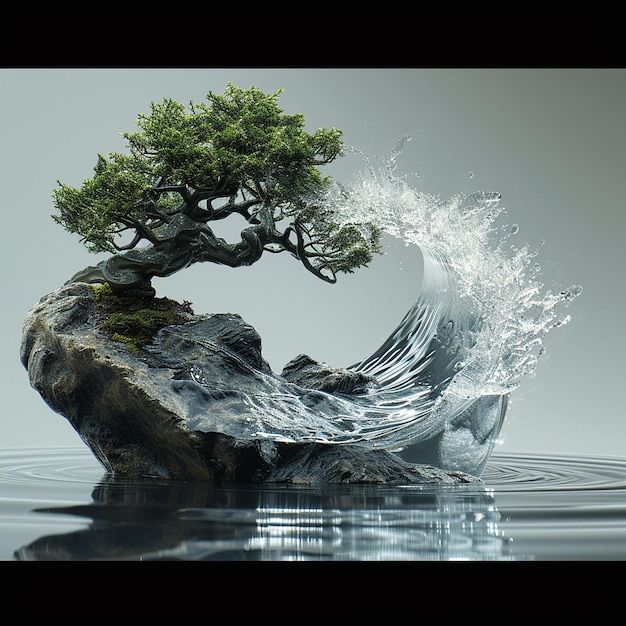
{"points": [[551, 141]]}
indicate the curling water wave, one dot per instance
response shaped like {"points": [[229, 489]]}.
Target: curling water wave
{"points": [[477, 326]]}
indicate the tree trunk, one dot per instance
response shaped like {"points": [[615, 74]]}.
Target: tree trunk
{"points": [[187, 242]]}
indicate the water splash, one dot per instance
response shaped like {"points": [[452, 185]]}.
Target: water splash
{"points": [[476, 328], [491, 282]]}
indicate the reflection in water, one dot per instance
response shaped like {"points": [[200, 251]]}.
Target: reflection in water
{"points": [[158, 520], [529, 508]]}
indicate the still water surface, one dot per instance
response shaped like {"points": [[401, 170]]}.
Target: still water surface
{"points": [[59, 505]]}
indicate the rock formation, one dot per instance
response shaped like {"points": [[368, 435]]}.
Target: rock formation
{"points": [[175, 402]]}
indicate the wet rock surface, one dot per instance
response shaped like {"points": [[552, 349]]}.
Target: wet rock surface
{"points": [[176, 408]]}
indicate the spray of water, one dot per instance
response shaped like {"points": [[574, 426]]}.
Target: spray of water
{"points": [[497, 284]]}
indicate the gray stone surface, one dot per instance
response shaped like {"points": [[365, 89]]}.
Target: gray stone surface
{"points": [[149, 413]]}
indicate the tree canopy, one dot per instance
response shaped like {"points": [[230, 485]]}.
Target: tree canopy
{"points": [[189, 165]]}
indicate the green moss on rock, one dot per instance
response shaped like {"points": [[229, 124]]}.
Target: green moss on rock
{"points": [[135, 321]]}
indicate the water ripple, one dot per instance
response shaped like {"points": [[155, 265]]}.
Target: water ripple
{"points": [[59, 504], [43, 466], [531, 473], [504, 472]]}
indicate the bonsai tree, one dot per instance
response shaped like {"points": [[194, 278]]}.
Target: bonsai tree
{"points": [[236, 153]]}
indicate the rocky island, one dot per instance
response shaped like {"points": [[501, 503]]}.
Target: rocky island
{"points": [[125, 372], [155, 389]]}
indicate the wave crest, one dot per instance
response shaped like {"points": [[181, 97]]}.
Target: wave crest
{"points": [[477, 326]]}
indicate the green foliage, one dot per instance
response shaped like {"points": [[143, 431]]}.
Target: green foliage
{"points": [[96, 209], [334, 247], [240, 137], [240, 147]]}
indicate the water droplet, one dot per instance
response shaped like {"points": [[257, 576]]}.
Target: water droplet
{"points": [[573, 292]]}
